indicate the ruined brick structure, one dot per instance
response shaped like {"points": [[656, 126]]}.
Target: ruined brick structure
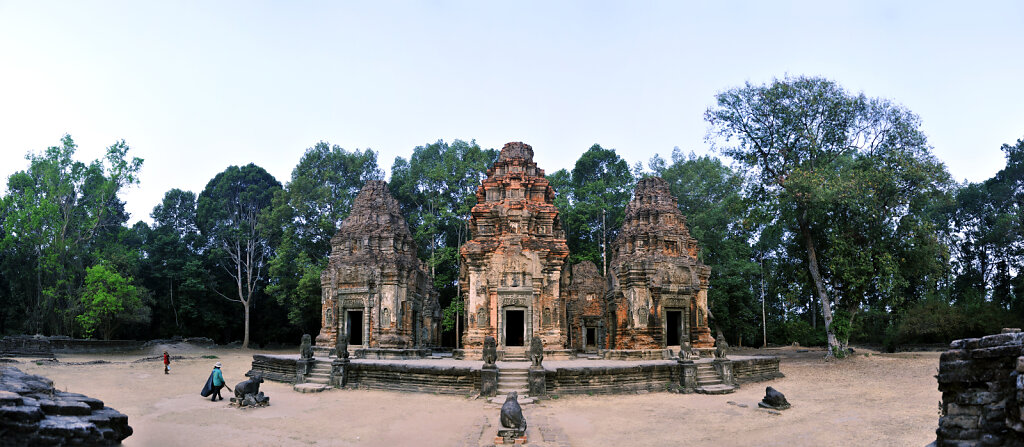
{"points": [[586, 310], [659, 286], [982, 385], [512, 266], [375, 289]]}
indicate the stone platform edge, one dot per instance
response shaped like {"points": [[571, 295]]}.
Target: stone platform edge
{"points": [[463, 377]]}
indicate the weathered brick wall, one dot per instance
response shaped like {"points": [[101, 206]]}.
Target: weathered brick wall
{"points": [[279, 368], [982, 392], [25, 345], [612, 380], [413, 378], [757, 369]]}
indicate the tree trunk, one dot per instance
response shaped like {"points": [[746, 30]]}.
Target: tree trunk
{"points": [[819, 285], [245, 338]]}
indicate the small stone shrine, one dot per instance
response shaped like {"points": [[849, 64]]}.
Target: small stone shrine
{"points": [[512, 265], [375, 290], [659, 286], [586, 309]]}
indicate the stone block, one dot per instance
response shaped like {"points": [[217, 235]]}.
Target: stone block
{"points": [[976, 398], [538, 383], [997, 351], [966, 422], [1007, 339], [488, 382], [955, 354], [967, 410]]}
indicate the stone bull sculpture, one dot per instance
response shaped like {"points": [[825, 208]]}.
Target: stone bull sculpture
{"points": [[251, 386]]}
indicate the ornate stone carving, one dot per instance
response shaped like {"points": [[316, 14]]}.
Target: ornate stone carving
{"points": [[374, 288], [536, 351], [512, 414], [654, 262], [306, 347], [517, 248], [490, 351]]}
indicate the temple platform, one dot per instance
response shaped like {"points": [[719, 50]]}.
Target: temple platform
{"points": [[446, 375]]}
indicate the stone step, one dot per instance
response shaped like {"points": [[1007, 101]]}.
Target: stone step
{"points": [[716, 389], [310, 387], [322, 381], [522, 399], [503, 391]]}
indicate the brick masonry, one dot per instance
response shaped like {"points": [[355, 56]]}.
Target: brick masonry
{"points": [[982, 392]]}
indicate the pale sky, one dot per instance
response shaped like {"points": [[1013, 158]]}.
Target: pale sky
{"points": [[196, 86]]}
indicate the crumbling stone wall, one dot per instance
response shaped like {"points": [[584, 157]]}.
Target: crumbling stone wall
{"points": [[982, 385], [32, 412], [655, 270]]}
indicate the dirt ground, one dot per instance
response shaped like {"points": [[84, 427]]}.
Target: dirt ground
{"points": [[870, 399]]}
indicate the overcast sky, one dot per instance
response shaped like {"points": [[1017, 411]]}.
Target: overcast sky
{"points": [[196, 86]]}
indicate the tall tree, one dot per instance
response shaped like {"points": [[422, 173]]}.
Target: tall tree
{"points": [[54, 214], [172, 245], [230, 215], [795, 135], [309, 211], [592, 200], [436, 188]]}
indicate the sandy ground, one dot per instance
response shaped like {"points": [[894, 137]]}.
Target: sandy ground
{"points": [[880, 399]]}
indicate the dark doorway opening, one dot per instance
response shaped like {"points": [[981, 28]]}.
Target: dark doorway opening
{"points": [[591, 337], [354, 326], [514, 328], [673, 327]]}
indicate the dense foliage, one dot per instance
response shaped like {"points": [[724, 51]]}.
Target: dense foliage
{"points": [[827, 221]]}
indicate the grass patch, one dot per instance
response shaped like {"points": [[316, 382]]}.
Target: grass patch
{"points": [[209, 356]]}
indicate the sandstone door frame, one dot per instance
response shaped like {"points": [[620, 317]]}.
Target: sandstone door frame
{"points": [[503, 328]]}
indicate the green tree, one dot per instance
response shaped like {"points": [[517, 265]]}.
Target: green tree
{"points": [[309, 211], [436, 188], [56, 215], [796, 136], [591, 200], [230, 215], [107, 301]]}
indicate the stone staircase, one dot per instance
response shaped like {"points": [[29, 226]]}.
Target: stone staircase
{"points": [[515, 355], [709, 382], [318, 379], [513, 378]]}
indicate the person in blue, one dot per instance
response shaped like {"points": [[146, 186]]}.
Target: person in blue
{"points": [[214, 383]]}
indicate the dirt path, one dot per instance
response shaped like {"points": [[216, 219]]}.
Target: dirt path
{"points": [[876, 400]]}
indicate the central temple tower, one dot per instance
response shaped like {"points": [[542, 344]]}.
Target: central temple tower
{"points": [[512, 266]]}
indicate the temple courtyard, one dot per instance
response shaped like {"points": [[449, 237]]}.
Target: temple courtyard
{"points": [[869, 399]]}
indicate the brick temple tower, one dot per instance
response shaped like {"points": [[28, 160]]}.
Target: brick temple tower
{"points": [[512, 266], [659, 286], [375, 289]]}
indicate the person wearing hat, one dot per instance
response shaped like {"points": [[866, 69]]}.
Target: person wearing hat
{"points": [[167, 363], [214, 384]]}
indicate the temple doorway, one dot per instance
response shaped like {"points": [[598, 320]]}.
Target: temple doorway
{"points": [[591, 338], [354, 327], [514, 328], [673, 327]]}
